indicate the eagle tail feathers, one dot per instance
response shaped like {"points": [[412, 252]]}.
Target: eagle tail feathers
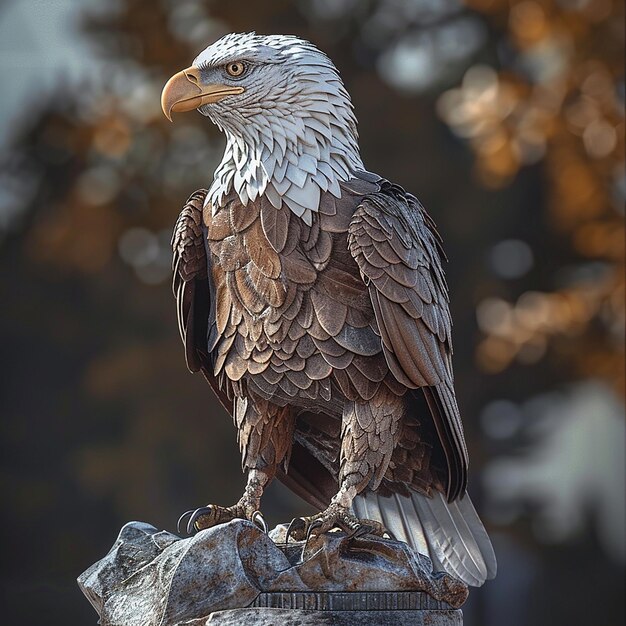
{"points": [[449, 533]]}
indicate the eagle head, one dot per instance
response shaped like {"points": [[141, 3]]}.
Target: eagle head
{"points": [[289, 123]]}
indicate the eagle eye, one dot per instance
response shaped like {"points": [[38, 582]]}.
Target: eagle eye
{"points": [[236, 68]]}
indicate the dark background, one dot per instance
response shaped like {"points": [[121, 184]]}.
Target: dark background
{"points": [[504, 117]]}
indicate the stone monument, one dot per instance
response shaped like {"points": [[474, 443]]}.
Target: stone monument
{"points": [[235, 573]]}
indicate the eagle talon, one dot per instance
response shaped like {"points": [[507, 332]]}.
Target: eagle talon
{"points": [[303, 528], [203, 511], [213, 515], [296, 529], [313, 526], [258, 520], [181, 518]]}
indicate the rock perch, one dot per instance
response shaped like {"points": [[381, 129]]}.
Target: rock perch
{"points": [[235, 574]]}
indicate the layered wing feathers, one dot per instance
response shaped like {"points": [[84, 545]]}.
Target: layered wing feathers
{"points": [[399, 256], [195, 293]]}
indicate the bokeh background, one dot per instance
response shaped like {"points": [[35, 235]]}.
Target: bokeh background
{"points": [[506, 118]]}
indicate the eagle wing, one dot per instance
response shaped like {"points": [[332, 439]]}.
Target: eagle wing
{"points": [[193, 290], [398, 251]]}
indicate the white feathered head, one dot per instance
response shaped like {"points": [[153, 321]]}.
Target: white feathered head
{"points": [[290, 128]]}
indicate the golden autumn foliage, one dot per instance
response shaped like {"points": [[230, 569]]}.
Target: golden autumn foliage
{"points": [[557, 104]]}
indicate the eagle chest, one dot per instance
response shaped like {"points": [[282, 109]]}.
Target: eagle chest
{"points": [[290, 307], [246, 270], [265, 264]]}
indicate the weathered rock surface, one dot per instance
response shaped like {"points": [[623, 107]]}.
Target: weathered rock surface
{"points": [[152, 578], [284, 617]]}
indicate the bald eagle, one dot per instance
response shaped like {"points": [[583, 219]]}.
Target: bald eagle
{"points": [[311, 295]]}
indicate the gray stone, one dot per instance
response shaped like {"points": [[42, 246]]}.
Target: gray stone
{"points": [[289, 617], [152, 578]]}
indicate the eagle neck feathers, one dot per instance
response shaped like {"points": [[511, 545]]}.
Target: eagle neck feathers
{"points": [[302, 146]]}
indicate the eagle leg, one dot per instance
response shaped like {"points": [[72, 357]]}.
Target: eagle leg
{"points": [[265, 437], [370, 432], [247, 507]]}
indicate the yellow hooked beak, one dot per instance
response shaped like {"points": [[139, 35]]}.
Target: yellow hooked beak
{"points": [[185, 92]]}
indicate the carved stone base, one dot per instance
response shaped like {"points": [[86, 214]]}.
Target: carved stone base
{"points": [[350, 601], [235, 574], [291, 617]]}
